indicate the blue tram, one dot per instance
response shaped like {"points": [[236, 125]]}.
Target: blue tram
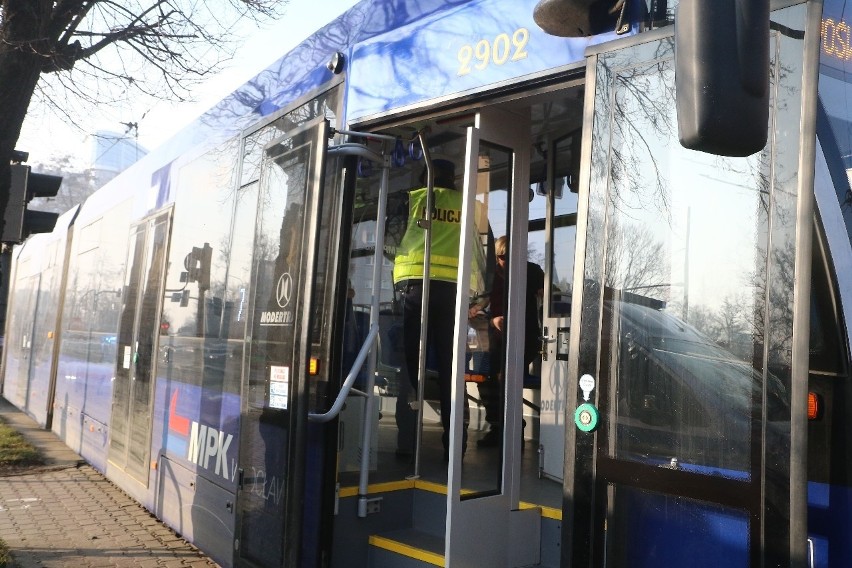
{"points": [[219, 332]]}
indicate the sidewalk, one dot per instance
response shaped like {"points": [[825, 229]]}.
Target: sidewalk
{"points": [[68, 514]]}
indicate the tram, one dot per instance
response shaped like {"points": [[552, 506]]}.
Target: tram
{"points": [[219, 332]]}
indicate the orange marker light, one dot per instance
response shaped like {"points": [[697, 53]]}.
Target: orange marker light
{"points": [[813, 406], [313, 366]]}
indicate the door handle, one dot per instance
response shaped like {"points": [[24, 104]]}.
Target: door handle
{"points": [[545, 339], [562, 343]]}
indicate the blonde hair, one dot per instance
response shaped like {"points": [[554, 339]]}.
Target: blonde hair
{"points": [[501, 245]]}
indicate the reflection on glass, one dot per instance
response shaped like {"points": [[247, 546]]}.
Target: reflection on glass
{"points": [[486, 345], [145, 349], [201, 335], [42, 354], [137, 344], [564, 224], [88, 350], [683, 334], [119, 426], [273, 358], [323, 105]]}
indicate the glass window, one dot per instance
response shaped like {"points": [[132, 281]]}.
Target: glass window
{"points": [[684, 335], [563, 229], [202, 327], [88, 350], [275, 387], [324, 105]]}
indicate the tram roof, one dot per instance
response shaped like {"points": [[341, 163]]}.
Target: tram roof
{"points": [[398, 54]]}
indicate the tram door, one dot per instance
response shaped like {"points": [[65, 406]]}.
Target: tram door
{"points": [[485, 527], [274, 414], [132, 395], [685, 446]]}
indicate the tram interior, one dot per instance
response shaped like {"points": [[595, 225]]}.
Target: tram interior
{"points": [[554, 145]]}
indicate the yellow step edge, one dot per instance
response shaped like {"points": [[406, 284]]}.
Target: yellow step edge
{"points": [[551, 513], [406, 550], [430, 486], [379, 488], [546, 512]]}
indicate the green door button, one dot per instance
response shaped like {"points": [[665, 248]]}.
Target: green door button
{"points": [[586, 417]]}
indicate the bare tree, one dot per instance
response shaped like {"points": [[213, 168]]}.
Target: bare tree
{"points": [[77, 184], [636, 261], [97, 51]]}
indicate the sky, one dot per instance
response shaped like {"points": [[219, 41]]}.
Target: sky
{"points": [[45, 135]]}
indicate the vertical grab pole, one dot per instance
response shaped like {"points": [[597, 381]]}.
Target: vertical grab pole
{"points": [[381, 212], [426, 224]]}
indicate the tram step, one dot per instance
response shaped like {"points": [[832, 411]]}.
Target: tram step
{"points": [[410, 548], [406, 548], [430, 509]]}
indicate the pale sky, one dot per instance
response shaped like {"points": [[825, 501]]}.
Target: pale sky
{"points": [[45, 135]]}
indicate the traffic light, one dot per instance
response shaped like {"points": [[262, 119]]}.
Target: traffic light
{"points": [[20, 222], [197, 264]]}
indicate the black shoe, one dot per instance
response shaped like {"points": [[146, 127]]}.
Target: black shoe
{"points": [[491, 439]]}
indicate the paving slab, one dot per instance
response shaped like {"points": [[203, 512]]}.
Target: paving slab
{"points": [[68, 514]]}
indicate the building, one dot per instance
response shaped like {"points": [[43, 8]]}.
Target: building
{"points": [[112, 153]]}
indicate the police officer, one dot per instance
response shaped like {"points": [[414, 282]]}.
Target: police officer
{"points": [[408, 282]]}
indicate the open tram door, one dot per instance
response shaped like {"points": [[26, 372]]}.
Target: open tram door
{"points": [[685, 438], [485, 525], [274, 428]]}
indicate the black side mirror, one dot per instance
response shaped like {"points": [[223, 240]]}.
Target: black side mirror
{"points": [[722, 75]]}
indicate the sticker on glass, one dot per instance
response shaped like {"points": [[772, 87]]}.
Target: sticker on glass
{"points": [[279, 386]]}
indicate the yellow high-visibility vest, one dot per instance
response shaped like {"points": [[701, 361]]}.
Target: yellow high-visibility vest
{"points": [[446, 232]]}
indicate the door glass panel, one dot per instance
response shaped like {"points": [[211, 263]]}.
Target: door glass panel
{"points": [[130, 433], [119, 424], [689, 270], [683, 335], [486, 344], [652, 529], [564, 231], [145, 349], [47, 304], [275, 358]]}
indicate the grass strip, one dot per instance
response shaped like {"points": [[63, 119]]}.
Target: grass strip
{"points": [[15, 450]]}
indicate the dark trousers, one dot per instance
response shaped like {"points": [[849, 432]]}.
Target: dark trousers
{"points": [[492, 391], [439, 340]]}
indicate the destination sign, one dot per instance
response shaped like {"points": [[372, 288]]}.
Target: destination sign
{"points": [[835, 40]]}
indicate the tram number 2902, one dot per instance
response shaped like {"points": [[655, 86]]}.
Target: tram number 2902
{"points": [[498, 51]]}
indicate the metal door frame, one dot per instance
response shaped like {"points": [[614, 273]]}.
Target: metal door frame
{"points": [[585, 499], [510, 536], [147, 226]]}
